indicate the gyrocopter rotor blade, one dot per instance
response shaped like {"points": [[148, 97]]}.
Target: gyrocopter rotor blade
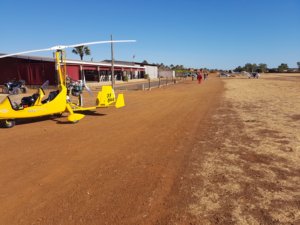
{"points": [[26, 52], [98, 42], [61, 47]]}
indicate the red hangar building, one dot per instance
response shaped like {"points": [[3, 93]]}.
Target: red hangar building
{"points": [[36, 70]]}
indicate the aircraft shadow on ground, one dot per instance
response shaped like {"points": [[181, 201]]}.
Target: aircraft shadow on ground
{"points": [[58, 119], [34, 120], [87, 113], [92, 113]]}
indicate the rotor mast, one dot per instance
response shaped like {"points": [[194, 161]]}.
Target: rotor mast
{"points": [[59, 61]]}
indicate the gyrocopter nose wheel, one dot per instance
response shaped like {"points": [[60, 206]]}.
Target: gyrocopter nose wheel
{"points": [[7, 123]]}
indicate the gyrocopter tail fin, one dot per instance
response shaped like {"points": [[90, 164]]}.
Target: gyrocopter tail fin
{"points": [[120, 101], [106, 97]]}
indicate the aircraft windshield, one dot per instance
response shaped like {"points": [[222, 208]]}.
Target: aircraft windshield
{"points": [[45, 85]]}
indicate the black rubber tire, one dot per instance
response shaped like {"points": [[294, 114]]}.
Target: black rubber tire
{"points": [[5, 90], [57, 115], [7, 123], [24, 90]]}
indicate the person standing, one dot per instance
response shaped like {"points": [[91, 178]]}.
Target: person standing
{"points": [[199, 77], [206, 76]]}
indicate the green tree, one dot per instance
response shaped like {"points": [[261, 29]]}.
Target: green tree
{"points": [[283, 67], [179, 67], [238, 69], [145, 62], [81, 51], [262, 67], [254, 67], [248, 67], [298, 63]]}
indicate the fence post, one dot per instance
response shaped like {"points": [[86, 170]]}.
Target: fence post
{"points": [[149, 84], [159, 82]]}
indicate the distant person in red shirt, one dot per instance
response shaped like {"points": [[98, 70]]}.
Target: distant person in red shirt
{"points": [[199, 77]]}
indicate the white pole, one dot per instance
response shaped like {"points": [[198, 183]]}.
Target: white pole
{"points": [[112, 64]]}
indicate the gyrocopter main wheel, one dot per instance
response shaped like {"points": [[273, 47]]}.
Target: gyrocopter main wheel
{"points": [[7, 123]]}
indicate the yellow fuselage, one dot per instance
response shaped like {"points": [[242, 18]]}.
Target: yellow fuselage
{"points": [[57, 105]]}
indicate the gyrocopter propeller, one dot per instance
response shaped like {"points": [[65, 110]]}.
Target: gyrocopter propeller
{"points": [[76, 87], [57, 102], [86, 86]]}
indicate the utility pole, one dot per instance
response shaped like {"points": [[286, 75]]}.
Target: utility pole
{"points": [[112, 64]]}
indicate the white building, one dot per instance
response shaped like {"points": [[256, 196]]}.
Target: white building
{"points": [[150, 69], [166, 73], [146, 69]]}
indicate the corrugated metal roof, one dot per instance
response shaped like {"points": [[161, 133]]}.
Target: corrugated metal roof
{"points": [[120, 62], [74, 61], [38, 58], [129, 63]]}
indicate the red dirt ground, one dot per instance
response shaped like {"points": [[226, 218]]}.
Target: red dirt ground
{"points": [[113, 167], [174, 155]]}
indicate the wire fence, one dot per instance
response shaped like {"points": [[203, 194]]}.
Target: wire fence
{"points": [[146, 84], [149, 84]]}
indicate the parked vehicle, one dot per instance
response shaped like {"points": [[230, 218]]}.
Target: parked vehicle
{"points": [[224, 75], [255, 75], [14, 87], [57, 101]]}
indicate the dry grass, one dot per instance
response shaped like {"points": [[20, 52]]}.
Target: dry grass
{"points": [[251, 170]]}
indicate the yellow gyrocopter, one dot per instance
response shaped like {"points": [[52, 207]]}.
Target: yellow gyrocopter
{"points": [[58, 101]]}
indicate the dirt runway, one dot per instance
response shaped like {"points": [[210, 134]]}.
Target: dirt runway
{"points": [[113, 167], [223, 152]]}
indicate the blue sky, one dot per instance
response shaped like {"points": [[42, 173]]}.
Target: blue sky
{"points": [[194, 33]]}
